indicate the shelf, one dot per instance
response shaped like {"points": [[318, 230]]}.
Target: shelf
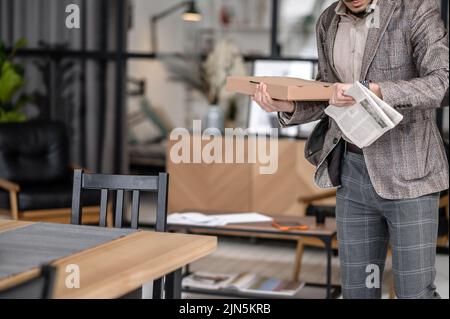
{"points": [[250, 30], [335, 293]]}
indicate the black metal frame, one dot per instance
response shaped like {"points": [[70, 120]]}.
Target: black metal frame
{"points": [[121, 83], [275, 49]]}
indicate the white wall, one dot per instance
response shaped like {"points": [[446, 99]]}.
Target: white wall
{"points": [[164, 95], [175, 35]]}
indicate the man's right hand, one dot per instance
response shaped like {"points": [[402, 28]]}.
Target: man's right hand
{"points": [[263, 99]]}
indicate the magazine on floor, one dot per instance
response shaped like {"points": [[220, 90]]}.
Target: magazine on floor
{"points": [[367, 120], [245, 282]]}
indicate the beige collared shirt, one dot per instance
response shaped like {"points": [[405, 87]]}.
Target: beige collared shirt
{"points": [[350, 44]]}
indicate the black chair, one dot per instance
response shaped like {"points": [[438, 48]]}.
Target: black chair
{"points": [[134, 184], [39, 287], [36, 173]]}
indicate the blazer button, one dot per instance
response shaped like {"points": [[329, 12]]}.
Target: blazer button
{"points": [[335, 140]]}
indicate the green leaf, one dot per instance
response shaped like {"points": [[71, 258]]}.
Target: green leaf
{"points": [[22, 42], [10, 82], [12, 116]]}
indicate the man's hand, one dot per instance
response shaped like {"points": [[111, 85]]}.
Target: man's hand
{"points": [[338, 97], [263, 99], [375, 88]]}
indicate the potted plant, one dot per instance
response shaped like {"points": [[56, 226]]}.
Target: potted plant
{"points": [[11, 81], [209, 78]]}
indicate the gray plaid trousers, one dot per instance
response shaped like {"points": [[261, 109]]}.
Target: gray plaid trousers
{"points": [[367, 223]]}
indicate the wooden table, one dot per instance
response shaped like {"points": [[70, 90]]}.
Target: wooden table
{"points": [[325, 233], [115, 268]]}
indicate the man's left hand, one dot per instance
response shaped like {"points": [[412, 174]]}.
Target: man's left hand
{"points": [[339, 98]]}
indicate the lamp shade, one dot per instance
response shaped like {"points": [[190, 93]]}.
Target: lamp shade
{"points": [[192, 14]]}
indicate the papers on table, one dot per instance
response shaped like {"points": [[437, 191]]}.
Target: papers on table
{"points": [[216, 220], [367, 120]]}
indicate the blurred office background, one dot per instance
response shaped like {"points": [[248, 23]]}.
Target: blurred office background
{"points": [[100, 78]]}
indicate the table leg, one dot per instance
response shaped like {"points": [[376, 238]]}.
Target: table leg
{"points": [[188, 269], [157, 288], [298, 260], [173, 284], [329, 249]]}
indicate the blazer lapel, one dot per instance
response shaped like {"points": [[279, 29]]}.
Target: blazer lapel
{"points": [[331, 37], [386, 9]]}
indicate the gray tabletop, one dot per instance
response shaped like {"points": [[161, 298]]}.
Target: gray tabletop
{"points": [[36, 244]]}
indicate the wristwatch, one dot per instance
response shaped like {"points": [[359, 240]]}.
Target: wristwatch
{"points": [[366, 84]]}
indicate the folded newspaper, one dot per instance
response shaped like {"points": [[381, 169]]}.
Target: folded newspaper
{"points": [[367, 120]]}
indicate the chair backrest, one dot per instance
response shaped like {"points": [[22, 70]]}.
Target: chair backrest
{"points": [[39, 287], [33, 151], [120, 184]]}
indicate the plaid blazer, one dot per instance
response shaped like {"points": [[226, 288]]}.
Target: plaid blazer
{"points": [[408, 56]]}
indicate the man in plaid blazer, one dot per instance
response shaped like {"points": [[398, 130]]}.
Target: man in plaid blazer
{"points": [[387, 192]]}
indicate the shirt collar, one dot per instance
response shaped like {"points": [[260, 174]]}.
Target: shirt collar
{"points": [[341, 10]]}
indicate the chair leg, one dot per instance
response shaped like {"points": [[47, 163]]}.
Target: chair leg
{"points": [[157, 288], [442, 241], [14, 205], [298, 260], [173, 285], [392, 290], [392, 282], [109, 217]]}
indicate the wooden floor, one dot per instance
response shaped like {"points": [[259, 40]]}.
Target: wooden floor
{"points": [[269, 258]]}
